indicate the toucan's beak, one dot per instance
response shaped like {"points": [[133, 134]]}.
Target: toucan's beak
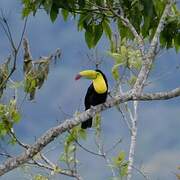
{"points": [[88, 74], [78, 76]]}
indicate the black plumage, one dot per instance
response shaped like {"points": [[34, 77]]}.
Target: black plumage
{"points": [[92, 98]]}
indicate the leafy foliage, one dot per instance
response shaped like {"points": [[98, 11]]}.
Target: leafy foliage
{"points": [[127, 59], [4, 72], [9, 115], [68, 156], [97, 124], [96, 17], [170, 36], [40, 177], [178, 174], [121, 164], [35, 77], [35, 72]]}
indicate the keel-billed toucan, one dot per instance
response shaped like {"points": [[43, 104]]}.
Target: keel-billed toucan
{"points": [[96, 93]]}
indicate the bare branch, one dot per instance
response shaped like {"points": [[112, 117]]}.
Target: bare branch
{"points": [[87, 150], [13, 135], [114, 146], [7, 31], [6, 28], [125, 119], [61, 171], [5, 154], [22, 34], [141, 172]]}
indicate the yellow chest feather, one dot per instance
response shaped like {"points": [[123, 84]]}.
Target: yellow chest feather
{"points": [[100, 85]]}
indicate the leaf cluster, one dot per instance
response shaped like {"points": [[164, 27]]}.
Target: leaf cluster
{"points": [[35, 75], [36, 72], [96, 17], [127, 59], [170, 36], [68, 156], [121, 164], [40, 177], [9, 115], [4, 72]]}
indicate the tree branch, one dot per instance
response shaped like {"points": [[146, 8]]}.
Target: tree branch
{"points": [[146, 66], [141, 79], [133, 140], [128, 24], [15, 49], [68, 124]]}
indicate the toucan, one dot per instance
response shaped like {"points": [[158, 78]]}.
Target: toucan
{"points": [[96, 93]]}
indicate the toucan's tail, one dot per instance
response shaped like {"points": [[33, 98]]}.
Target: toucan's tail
{"points": [[86, 124]]}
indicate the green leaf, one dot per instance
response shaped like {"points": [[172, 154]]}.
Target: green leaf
{"points": [[115, 71], [72, 148], [98, 31], [177, 42], [89, 38], [3, 132], [132, 80], [159, 6], [82, 134], [54, 12], [62, 158], [135, 63], [117, 57], [93, 34], [16, 116], [81, 3], [16, 85], [12, 141], [124, 31], [84, 20], [124, 170], [107, 29], [25, 12], [65, 14], [97, 124], [119, 159], [40, 177]]}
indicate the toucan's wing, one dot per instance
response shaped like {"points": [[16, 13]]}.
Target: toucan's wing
{"points": [[89, 97]]}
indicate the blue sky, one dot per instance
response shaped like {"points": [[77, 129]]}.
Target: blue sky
{"points": [[158, 143]]}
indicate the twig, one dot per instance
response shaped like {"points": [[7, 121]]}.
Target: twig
{"points": [[109, 164], [8, 33], [125, 119], [46, 160], [22, 34], [85, 149], [61, 171], [12, 134], [114, 146], [5, 154], [140, 172]]}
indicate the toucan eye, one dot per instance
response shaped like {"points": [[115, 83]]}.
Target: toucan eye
{"points": [[98, 74]]}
